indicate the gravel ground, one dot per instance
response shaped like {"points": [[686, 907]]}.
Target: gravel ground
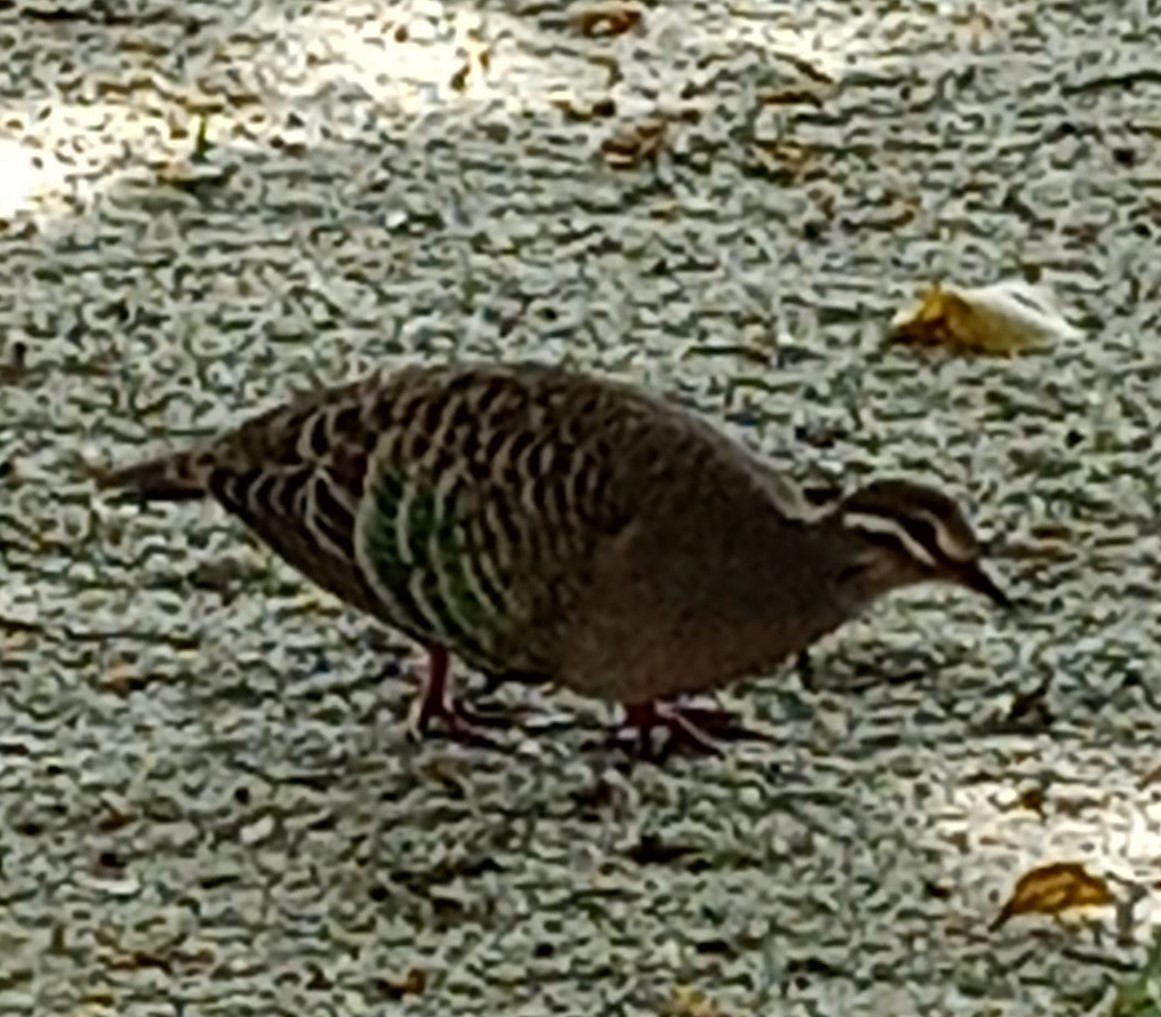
{"points": [[207, 802]]}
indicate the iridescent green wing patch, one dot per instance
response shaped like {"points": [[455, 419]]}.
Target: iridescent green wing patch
{"points": [[417, 544]]}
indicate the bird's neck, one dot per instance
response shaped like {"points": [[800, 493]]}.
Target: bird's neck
{"points": [[786, 585]]}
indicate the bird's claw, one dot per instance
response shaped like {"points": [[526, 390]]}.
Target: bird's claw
{"points": [[456, 720], [692, 730]]}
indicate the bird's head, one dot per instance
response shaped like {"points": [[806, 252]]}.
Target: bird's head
{"points": [[908, 533]]}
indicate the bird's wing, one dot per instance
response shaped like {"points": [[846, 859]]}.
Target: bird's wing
{"points": [[485, 499]]}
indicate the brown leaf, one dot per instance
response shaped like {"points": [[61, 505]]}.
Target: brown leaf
{"points": [[1039, 550], [686, 1001], [459, 80], [629, 147], [414, 983], [610, 18], [780, 159], [121, 678], [168, 961], [1032, 799], [1055, 888], [113, 820], [790, 97], [582, 113]]}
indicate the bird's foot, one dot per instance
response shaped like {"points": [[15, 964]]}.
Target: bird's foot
{"points": [[693, 730], [456, 720], [437, 704]]}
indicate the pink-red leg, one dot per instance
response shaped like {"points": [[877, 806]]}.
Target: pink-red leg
{"points": [[436, 703], [691, 729]]}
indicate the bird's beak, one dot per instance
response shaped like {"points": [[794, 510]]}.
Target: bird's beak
{"points": [[975, 578]]}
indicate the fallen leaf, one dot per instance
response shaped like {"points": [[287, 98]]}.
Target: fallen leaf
{"points": [[121, 679], [1004, 318], [1039, 550], [577, 112], [459, 80], [1032, 800], [790, 97], [1055, 888], [602, 20], [414, 983], [783, 160], [170, 960], [687, 1001], [611, 66], [113, 820], [198, 179], [636, 143]]}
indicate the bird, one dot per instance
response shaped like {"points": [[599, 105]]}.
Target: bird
{"points": [[554, 525]]}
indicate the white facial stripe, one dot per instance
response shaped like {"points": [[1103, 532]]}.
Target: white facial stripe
{"points": [[882, 524], [945, 541]]}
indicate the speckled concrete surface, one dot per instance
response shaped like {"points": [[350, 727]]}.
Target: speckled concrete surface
{"points": [[207, 804]]}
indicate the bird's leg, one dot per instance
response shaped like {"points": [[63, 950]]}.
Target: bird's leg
{"points": [[691, 728], [436, 703]]}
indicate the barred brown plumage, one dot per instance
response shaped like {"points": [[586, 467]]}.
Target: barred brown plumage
{"points": [[541, 521]]}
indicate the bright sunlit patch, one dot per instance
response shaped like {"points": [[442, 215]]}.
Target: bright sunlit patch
{"points": [[412, 56], [1001, 833], [278, 77], [25, 176]]}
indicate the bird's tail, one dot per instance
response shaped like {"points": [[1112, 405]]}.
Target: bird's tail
{"points": [[175, 477]]}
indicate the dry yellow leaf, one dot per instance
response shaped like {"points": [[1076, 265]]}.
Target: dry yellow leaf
{"points": [[1054, 888], [1004, 318], [687, 1001]]}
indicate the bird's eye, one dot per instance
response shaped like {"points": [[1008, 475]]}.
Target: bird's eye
{"points": [[923, 531]]}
